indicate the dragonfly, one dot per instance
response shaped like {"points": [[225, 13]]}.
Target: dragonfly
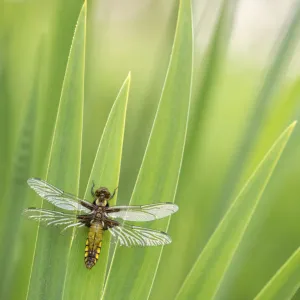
{"points": [[98, 216]]}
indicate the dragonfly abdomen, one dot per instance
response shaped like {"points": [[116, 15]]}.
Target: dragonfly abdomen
{"points": [[93, 245]]}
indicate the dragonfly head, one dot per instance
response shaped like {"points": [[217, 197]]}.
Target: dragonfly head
{"points": [[102, 196]]}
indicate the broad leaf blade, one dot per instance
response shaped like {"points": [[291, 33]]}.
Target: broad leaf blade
{"points": [[207, 274], [189, 226], [285, 283], [133, 270], [50, 257], [82, 283]]}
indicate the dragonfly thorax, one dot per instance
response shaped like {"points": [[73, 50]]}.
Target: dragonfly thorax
{"points": [[99, 213], [98, 216]]}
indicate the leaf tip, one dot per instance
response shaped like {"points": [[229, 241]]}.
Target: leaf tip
{"points": [[292, 126], [83, 8], [128, 78]]}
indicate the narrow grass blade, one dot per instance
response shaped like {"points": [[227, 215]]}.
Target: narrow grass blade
{"points": [[132, 270], [186, 229], [82, 283], [206, 276], [285, 283], [51, 252]]}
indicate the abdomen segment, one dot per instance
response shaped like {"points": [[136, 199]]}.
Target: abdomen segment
{"points": [[93, 245]]}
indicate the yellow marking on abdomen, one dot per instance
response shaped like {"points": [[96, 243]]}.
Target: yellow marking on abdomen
{"points": [[93, 245]]}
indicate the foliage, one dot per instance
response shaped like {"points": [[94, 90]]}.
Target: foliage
{"points": [[204, 133]]}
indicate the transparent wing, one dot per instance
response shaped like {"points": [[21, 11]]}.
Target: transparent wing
{"points": [[129, 235], [148, 212], [58, 197], [51, 217]]}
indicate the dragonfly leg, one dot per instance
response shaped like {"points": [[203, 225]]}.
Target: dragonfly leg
{"points": [[113, 194], [92, 188]]}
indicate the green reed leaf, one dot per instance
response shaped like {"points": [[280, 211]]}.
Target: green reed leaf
{"points": [[207, 274], [186, 229], [133, 270], [82, 283], [285, 283], [51, 252]]}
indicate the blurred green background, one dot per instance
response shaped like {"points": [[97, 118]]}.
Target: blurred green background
{"points": [[230, 129]]}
